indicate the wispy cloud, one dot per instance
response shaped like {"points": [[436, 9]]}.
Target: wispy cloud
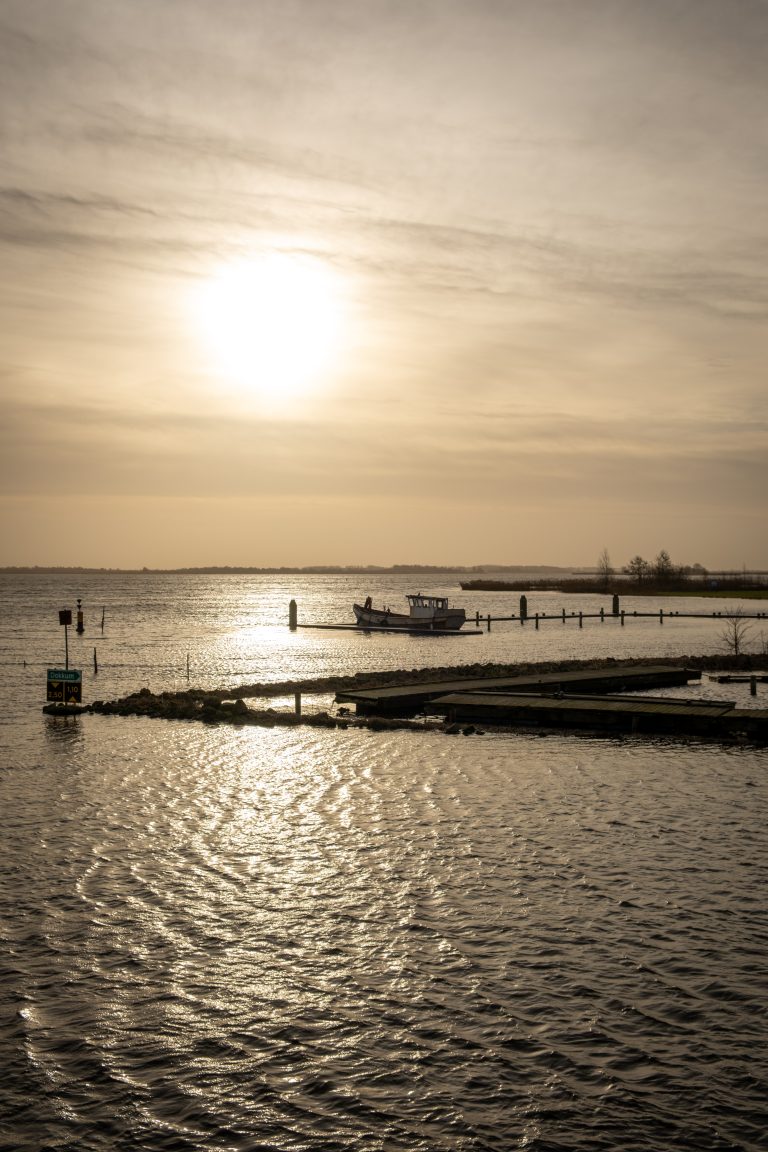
{"points": [[549, 219]]}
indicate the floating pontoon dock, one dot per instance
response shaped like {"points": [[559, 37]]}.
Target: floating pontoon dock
{"points": [[410, 699], [719, 719], [584, 700]]}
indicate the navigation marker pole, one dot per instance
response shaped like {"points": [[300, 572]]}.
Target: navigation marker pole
{"points": [[65, 618]]}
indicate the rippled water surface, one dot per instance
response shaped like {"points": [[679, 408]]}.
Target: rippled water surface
{"points": [[304, 939]]}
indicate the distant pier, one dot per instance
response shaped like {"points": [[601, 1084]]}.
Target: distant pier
{"points": [[391, 628], [485, 621]]}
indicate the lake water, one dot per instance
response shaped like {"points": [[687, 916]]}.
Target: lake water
{"points": [[305, 939]]}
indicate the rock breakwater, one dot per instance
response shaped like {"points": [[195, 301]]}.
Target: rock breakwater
{"points": [[228, 705]]}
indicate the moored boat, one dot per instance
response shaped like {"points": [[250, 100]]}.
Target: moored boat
{"points": [[430, 613]]}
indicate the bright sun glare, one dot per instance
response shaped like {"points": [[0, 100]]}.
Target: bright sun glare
{"points": [[273, 323]]}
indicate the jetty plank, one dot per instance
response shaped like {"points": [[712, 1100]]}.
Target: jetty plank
{"points": [[730, 678]]}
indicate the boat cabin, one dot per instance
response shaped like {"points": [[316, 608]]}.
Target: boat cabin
{"points": [[426, 606]]}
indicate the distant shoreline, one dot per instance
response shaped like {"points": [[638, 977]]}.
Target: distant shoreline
{"points": [[288, 570], [479, 571]]}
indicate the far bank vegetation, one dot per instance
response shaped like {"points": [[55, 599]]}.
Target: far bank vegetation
{"points": [[638, 577]]}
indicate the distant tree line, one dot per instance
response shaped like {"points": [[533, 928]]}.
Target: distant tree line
{"points": [[661, 572], [662, 575], [648, 577]]}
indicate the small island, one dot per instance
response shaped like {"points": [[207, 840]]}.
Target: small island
{"points": [[638, 577]]}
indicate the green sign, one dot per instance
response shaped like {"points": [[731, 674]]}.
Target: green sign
{"points": [[65, 685]]}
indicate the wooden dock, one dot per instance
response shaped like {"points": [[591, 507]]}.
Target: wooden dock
{"points": [[568, 617], [652, 714], [411, 699], [390, 629]]}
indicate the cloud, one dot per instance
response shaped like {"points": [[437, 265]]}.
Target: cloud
{"points": [[80, 451], [550, 220]]}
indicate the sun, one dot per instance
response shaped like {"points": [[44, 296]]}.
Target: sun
{"points": [[272, 323]]}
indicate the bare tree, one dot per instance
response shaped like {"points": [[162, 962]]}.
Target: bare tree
{"points": [[736, 632], [604, 569], [663, 568]]}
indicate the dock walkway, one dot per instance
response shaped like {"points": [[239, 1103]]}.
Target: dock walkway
{"points": [[614, 713], [410, 699]]}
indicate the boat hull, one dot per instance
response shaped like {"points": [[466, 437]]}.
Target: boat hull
{"points": [[448, 621]]}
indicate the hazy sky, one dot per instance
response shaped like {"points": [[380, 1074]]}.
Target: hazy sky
{"points": [[381, 281]]}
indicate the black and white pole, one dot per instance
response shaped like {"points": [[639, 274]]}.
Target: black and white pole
{"points": [[65, 618]]}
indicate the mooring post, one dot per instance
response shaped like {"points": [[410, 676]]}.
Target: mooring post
{"points": [[661, 615], [563, 615], [622, 617], [489, 621], [477, 618], [293, 616], [753, 685], [615, 603], [581, 620], [523, 608], [602, 615], [103, 611], [95, 662], [536, 621], [80, 625], [297, 703]]}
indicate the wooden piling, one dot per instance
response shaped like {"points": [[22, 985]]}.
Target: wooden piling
{"points": [[753, 685], [297, 703], [293, 616], [95, 662]]}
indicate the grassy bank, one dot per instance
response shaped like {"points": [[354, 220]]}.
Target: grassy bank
{"points": [[591, 588]]}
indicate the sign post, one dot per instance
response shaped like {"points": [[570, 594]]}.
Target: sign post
{"points": [[65, 686]]}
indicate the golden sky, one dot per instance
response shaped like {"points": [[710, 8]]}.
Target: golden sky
{"points": [[383, 281]]}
